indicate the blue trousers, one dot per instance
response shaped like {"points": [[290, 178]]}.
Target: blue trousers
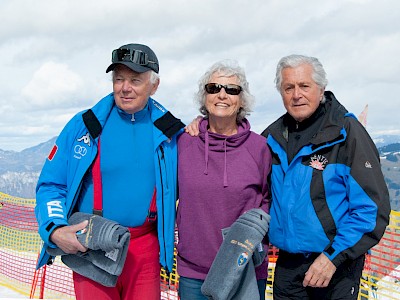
{"points": [[190, 289]]}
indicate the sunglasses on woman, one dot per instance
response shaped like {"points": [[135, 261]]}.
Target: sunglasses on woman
{"points": [[231, 89]]}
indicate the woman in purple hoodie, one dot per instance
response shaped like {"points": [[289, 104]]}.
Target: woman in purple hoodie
{"points": [[222, 173]]}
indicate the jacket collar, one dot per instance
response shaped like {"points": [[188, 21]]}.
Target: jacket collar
{"points": [[330, 129], [163, 120]]}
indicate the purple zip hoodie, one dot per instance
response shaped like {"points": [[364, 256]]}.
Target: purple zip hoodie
{"points": [[220, 177]]}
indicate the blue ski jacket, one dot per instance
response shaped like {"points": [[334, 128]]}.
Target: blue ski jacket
{"points": [[331, 197], [72, 156]]}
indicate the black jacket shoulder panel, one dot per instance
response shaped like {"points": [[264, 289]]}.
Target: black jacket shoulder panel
{"points": [[169, 125]]}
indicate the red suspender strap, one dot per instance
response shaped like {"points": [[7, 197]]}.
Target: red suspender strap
{"points": [[152, 215], [97, 186], [98, 191]]}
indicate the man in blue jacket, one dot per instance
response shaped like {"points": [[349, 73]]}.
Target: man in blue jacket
{"points": [[330, 203], [119, 160]]}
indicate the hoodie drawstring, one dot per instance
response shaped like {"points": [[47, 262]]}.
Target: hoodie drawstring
{"points": [[206, 152], [225, 172], [206, 149]]}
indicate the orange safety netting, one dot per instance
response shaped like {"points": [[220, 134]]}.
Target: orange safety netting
{"points": [[20, 245]]}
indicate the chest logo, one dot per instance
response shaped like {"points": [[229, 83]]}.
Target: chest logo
{"points": [[318, 162], [85, 139], [80, 151]]}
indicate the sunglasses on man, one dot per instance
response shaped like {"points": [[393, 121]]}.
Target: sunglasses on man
{"points": [[231, 89]]}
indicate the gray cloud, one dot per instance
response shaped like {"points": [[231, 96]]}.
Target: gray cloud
{"points": [[54, 55]]}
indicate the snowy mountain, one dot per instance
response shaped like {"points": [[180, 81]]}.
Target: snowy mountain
{"points": [[390, 161], [19, 171], [384, 140]]}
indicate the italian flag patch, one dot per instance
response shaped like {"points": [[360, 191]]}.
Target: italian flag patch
{"points": [[52, 152]]}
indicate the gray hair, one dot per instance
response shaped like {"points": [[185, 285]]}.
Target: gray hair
{"points": [[154, 77], [226, 68], [295, 60]]}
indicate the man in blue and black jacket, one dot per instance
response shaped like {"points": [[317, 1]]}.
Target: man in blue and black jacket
{"points": [[119, 160], [330, 203]]}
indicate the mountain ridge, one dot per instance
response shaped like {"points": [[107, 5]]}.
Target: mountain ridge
{"points": [[19, 171]]}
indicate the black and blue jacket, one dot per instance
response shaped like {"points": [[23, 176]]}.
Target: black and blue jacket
{"points": [[330, 196]]}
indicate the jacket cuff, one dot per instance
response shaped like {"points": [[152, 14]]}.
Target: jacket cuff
{"points": [[46, 233], [335, 257]]}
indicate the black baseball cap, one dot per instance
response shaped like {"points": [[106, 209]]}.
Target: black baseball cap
{"points": [[139, 58]]}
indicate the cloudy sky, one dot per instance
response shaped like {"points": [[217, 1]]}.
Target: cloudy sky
{"points": [[54, 54]]}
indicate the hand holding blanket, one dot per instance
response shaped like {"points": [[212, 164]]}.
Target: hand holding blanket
{"points": [[107, 242]]}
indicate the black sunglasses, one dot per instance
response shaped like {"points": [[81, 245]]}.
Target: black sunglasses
{"points": [[136, 56], [231, 89]]}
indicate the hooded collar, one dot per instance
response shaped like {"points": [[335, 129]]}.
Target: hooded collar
{"points": [[214, 142]]}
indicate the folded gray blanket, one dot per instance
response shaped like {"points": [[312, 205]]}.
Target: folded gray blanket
{"points": [[232, 273], [107, 244]]}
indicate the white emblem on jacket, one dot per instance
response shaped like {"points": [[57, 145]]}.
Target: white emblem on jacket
{"points": [[85, 139], [318, 162], [54, 209]]}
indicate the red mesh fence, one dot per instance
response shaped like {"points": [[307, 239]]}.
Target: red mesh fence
{"points": [[20, 245]]}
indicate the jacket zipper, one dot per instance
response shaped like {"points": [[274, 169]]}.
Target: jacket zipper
{"points": [[163, 159], [162, 201]]}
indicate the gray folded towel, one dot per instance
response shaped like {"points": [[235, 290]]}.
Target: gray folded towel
{"points": [[107, 242], [86, 268], [232, 273]]}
